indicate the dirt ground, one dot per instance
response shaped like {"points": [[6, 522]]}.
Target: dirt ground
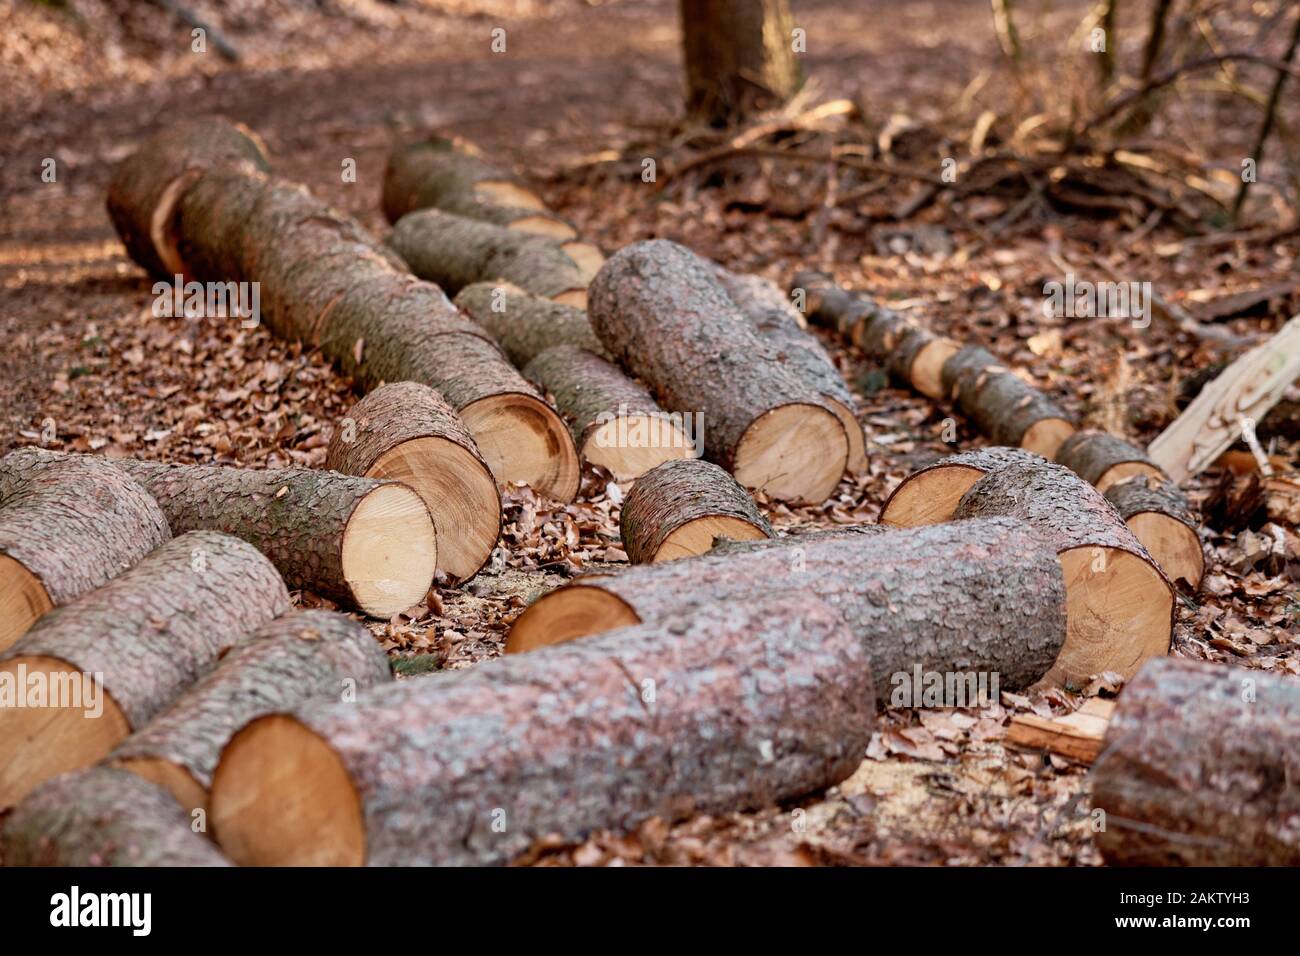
{"points": [[583, 94]]}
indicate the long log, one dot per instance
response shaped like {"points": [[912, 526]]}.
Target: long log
{"points": [[1120, 606], [661, 311], [985, 597], [1102, 459], [103, 817], [283, 664], [526, 325], [1158, 514], [738, 707], [680, 508], [931, 494], [1002, 405], [90, 672], [1199, 768], [67, 525]]}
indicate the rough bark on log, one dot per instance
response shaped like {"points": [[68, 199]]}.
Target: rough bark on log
{"points": [[109, 661], [661, 311], [678, 509], [439, 173], [103, 817], [1002, 405], [737, 707], [930, 495], [1199, 768], [615, 421], [738, 58], [526, 325], [782, 327], [455, 252], [1120, 605], [1159, 516], [283, 664], [1102, 459], [407, 432], [67, 525], [145, 186], [984, 597]]}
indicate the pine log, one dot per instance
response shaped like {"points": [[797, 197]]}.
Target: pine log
{"points": [[283, 664], [103, 817], [930, 495], [109, 661], [407, 432], [781, 326], [455, 252], [984, 597], [1102, 459], [1120, 606], [1002, 405], [616, 422], [661, 311], [1158, 514], [678, 509], [1199, 768], [913, 356], [735, 708], [67, 525], [145, 186], [526, 325], [440, 173]]}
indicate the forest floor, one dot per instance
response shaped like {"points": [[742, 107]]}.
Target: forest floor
{"points": [[583, 93]]}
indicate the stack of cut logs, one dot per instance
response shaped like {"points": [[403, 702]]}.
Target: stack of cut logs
{"points": [[153, 671]]}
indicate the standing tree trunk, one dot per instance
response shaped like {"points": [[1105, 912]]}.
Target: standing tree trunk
{"points": [[739, 57]]}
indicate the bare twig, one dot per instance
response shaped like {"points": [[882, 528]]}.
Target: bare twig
{"points": [[1270, 113]]}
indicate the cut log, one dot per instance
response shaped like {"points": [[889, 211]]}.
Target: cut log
{"points": [[367, 544], [407, 432], [913, 356], [930, 495], [660, 309], [146, 186], [984, 597], [67, 525], [1077, 736], [680, 508], [455, 252], [1199, 768], [283, 664], [735, 708], [103, 817], [1002, 405], [441, 173], [1158, 514], [781, 326], [1101, 459], [1120, 605], [91, 671], [615, 421], [526, 325]]}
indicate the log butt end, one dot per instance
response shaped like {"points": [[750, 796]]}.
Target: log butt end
{"points": [[172, 777], [578, 610], [546, 226], [857, 462], [23, 599], [1126, 470], [929, 496], [522, 439], [389, 551], [1045, 436], [794, 452], [1174, 545], [926, 373], [633, 444], [696, 537]]}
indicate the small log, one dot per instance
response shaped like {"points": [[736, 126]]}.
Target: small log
{"points": [[1120, 606], [1199, 768], [1101, 459], [67, 525], [441, 173], [1002, 405], [983, 597], [1158, 514], [680, 508], [90, 672], [283, 664], [455, 252], [661, 311], [734, 708], [781, 326], [930, 495], [407, 432], [103, 817], [526, 325], [615, 421]]}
